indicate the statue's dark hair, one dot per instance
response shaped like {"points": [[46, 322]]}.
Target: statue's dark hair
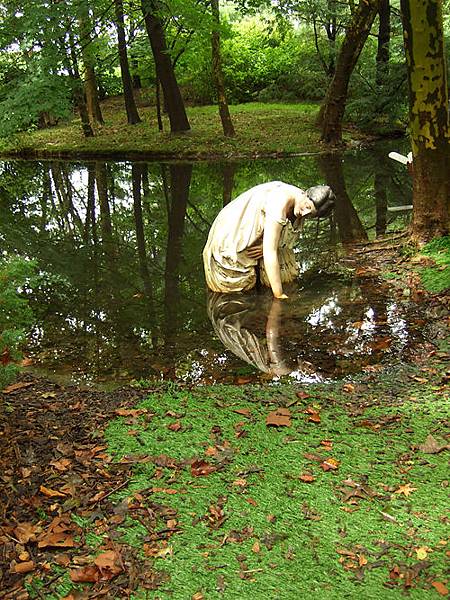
{"points": [[323, 198]]}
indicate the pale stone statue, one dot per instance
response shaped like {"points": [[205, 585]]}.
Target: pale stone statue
{"points": [[255, 233]]}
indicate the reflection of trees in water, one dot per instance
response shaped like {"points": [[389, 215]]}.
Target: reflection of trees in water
{"points": [[139, 175], [325, 331], [228, 172], [131, 255], [347, 219], [180, 179]]}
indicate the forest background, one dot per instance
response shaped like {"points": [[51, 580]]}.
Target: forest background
{"points": [[284, 51]]}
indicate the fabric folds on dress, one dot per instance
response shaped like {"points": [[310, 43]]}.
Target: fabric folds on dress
{"points": [[239, 226]]}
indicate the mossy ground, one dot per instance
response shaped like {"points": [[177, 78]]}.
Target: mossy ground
{"points": [[436, 278], [261, 130], [242, 521]]}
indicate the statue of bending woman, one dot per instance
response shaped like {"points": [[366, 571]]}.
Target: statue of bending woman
{"points": [[252, 237]]}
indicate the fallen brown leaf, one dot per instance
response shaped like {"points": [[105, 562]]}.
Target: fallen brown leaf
{"points": [[307, 478], [431, 446], [314, 417], [200, 468], [23, 567], [174, 426], [109, 564], [56, 540], [243, 380], [243, 411], [281, 417], [62, 464], [161, 490], [26, 532], [89, 574], [330, 464], [313, 456], [130, 412], [406, 489], [51, 493], [440, 588], [16, 386]]}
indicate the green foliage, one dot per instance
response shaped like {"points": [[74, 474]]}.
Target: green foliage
{"points": [[271, 65], [34, 100], [271, 52], [16, 316], [437, 278], [379, 104]]}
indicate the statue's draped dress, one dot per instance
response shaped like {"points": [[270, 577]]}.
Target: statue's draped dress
{"points": [[239, 226]]}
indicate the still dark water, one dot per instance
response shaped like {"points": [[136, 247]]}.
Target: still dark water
{"points": [[121, 296]]}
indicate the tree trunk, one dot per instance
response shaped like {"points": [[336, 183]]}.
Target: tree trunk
{"points": [[135, 78], [164, 68], [158, 105], [130, 104], [333, 108], [428, 117], [78, 90], [379, 188], [90, 80], [384, 35], [80, 101], [224, 112], [101, 176], [90, 223]]}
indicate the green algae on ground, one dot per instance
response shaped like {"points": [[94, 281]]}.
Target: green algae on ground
{"points": [[437, 278], [254, 527]]}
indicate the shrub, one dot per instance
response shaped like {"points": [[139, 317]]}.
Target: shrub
{"points": [[16, 316]]}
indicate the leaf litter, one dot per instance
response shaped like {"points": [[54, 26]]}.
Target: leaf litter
{"points": [[112, 513]]}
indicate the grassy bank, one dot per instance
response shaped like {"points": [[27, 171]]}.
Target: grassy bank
{"points": [[338, 491], [261, 130]]}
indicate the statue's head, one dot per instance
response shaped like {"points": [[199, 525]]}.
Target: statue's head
{"points": [[304, 206], [323, 198]]}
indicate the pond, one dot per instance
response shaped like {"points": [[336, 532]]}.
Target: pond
{"points": [[121, 294]]}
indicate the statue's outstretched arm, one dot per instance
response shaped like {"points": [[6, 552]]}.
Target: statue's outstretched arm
{"points": [[271, 238]]}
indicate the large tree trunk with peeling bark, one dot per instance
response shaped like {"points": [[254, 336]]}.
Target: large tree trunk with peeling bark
{"points": [[428, 117], [333, 107], [164, 68], [225, 117]]}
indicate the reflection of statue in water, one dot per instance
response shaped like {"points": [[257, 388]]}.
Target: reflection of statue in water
{"points": [[237, 321], [255, 233]]}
